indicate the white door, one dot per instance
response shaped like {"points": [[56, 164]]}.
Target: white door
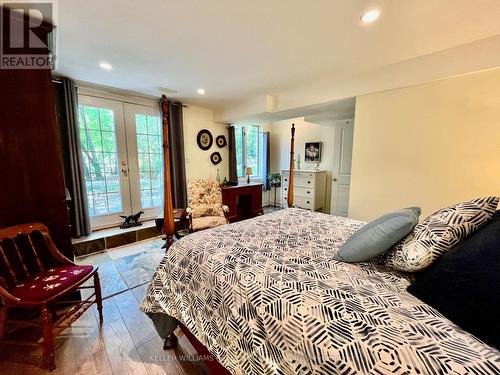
{"points": [[104, 149], [341, 174], [123, 159], [145, 159]]}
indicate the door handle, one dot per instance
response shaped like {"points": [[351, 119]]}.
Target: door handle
{"points": [[125, 172], [334, 179]]}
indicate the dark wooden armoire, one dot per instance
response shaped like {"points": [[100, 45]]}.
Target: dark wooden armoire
{"points": [[31, 173]]}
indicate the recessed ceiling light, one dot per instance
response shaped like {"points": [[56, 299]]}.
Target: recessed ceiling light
{"points": [[105, 65], [370, 16], [201, 91]]}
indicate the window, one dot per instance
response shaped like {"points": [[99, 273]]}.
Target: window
{"points": [[248, 139]]}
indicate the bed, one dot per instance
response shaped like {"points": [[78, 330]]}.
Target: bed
{"points": [[264, 296]]}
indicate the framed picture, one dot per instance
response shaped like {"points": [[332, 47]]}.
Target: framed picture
{"points": [[215, 158], [221, 141], [204, 139], [313, 152]]}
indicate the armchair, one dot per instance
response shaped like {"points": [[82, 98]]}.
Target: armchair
{"points": [[205, 208], [34, 275]]}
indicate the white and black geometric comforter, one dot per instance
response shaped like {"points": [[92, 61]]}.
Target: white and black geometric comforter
{"points": [[265, 297]]}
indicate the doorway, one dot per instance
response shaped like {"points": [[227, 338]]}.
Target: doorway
{"points": [[122, 157]]}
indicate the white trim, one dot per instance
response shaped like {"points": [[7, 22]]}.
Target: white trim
{"points": [[110, 93]]}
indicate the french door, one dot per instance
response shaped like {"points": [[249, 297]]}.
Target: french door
{"points": [[123, 159]]}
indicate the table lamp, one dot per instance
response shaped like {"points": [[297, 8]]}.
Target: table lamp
{"points": [[248, 172]]}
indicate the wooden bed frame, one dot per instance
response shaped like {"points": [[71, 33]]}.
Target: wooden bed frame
{"points": [[168, 229]]}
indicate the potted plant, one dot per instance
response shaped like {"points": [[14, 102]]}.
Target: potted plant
{"points": [[274, 180]]}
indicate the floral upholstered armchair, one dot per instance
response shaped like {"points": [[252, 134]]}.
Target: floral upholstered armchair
{"points": [[205, 208]]}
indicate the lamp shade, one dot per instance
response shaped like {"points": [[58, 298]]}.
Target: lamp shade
{"points": [[249, 171]]}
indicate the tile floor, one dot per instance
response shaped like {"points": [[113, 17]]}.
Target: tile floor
{"points": [[126, 267]]}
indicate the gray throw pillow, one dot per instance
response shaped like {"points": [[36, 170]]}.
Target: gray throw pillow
{"points": [[378, 236]]}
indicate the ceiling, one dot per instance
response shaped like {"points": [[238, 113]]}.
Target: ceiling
{"points": [[237, 49]]}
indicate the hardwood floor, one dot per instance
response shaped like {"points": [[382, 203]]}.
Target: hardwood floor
{"points": [[126, 344]]}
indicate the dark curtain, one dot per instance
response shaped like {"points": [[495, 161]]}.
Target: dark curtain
{"points": [[67, 113], [177, 158], [233, 172], [266, 163]]}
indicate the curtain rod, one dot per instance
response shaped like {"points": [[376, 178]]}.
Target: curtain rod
{"points": [[56, 80]]}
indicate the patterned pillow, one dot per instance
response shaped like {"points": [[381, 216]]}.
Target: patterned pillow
{"points": [[439, 232]]}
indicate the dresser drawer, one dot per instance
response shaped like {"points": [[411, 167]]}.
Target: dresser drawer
{"points": [[303, 192], [301, 202], [303, 174], [303, 182], [300, 191], [284, 201]]}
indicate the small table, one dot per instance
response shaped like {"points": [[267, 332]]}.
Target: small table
{"points": [[179, 221]]}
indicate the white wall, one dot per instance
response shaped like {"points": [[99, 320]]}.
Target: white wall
{"points": [[198, 164], [304, 132], [428, 145]]}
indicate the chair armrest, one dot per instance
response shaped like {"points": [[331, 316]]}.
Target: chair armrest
{"points": [[189, 216], [8, 298], [225, 209]]}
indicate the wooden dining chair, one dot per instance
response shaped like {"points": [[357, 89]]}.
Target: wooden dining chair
{"points": [[35, 275]]}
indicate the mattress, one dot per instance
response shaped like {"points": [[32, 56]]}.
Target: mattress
{"points": [[266, 297]]}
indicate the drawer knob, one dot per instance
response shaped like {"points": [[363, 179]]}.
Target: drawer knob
{"points": [[308, 192], [308, 182], [308, 202], [285, 188]]}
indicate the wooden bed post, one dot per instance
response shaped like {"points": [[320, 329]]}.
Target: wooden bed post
{"points": [[290, 179], [168, 208]]}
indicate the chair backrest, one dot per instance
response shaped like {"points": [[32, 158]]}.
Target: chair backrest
{"points": [[24, 251], [205, 198]]}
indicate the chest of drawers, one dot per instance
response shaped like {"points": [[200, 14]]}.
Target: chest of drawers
{"points": [[308, 189]]}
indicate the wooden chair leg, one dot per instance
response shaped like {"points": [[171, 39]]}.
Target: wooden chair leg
{"points": [[98, 296], [4, 310], [48, 338]]}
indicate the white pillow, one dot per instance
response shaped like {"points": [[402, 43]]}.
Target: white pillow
{"points": [[439, 232]]}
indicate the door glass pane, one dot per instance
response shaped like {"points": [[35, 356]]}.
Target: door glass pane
{"points": [[100, 160], [150, 156]]}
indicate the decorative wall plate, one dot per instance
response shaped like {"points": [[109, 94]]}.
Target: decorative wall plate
{"points": [[221, 141], [204, 139], [215, 158]]}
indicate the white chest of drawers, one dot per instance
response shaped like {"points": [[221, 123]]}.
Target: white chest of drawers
{"points": [[308, 189]]}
